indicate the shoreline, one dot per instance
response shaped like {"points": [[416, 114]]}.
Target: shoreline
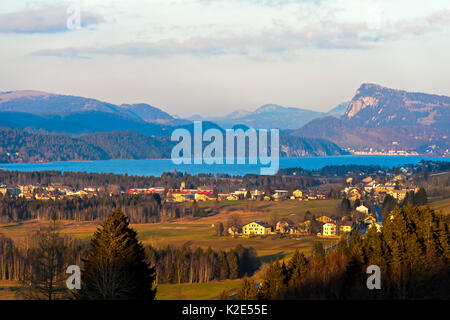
{"points": [[168, 159]]}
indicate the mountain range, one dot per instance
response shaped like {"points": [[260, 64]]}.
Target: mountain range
{"points": [[381, 118], [43, 103], [376, 119], [272, 116]]}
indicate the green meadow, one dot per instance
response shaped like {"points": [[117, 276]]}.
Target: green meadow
{"points": [[199, 232]]}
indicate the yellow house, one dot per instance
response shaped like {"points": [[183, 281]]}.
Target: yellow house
{"points": [[367, 180], [346, 227], [181, 197], [233, 197], [354, 194], [329, 229], [370, 219], [81, 193], [203, 197], [362, 209], [399, 194], [256, 228], [325, 219]]}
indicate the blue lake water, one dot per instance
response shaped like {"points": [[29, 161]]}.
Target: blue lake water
{"points": [[156, 167]]}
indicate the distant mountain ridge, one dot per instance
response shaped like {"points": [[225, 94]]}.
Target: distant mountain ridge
{"points": [[388, 119], [377, 106], [80, 123], [377, 117], [268, 116], [38, 102]]}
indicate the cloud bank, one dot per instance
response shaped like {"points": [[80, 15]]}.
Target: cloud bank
{"points": [[48, 19]]}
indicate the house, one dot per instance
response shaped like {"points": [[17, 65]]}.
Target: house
{"points": [[353, 194], [81, 193], [399, 194], [241, 192], [362, 209], [233, 231], [27, 189], [203, 197], [10, 190], [182, 197], [369, 219], [150, 190], [297, 194], [256, 228], [280, 194], [256, 194], [284, 226], [399, 177], [325, 219], [345, 227], [329, 229], [367, 180], [233, 197], [28, 196], [44, 196]]}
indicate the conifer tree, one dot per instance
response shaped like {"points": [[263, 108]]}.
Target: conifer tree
{"points": [[297, 267], [274, 280], [232, 264], [248, 290], [420, 197], [116, 267]]}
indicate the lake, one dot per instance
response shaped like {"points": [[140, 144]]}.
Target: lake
{"points": [[156, 167]]}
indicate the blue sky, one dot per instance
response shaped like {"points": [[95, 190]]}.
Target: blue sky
{"points": [[214, 56]]}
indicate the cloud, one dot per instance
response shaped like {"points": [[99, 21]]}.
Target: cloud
{"points": [[248, 45], [326, 35], [265, 3], [43, 20]]}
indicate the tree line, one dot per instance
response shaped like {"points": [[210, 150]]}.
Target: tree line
{"points": [[139, 208], [185, 265], [114, 263]]}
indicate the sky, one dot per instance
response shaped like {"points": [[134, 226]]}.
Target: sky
{"points": [[211, 57]]}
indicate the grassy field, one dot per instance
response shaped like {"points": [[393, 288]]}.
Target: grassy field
{"points": [[8, 290], [441, 204], [199, 232], [197, 291]]}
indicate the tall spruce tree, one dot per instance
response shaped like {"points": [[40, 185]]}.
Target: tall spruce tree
{"points": [[297, 267], [116, 268], [248, 290]]}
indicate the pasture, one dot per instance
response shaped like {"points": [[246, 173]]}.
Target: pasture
{"points": [[199, 232]]}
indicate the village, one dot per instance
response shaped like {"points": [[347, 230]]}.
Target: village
{"points": [[51, 192], [363, 198]]}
